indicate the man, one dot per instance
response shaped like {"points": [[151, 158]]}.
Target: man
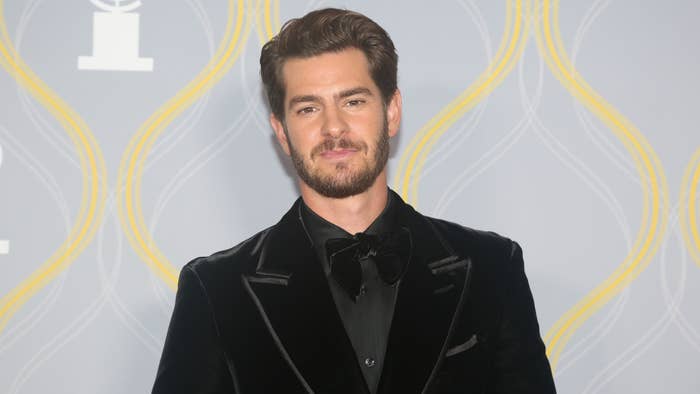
{"points": [[352, 291]]}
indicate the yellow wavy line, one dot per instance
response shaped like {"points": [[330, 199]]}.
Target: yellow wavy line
{"points": [[648, 166], [266, 18], [132, 164], [268, 21], [276, 16], [92, 170], [259, 22], [509, 52], [689, 200]]}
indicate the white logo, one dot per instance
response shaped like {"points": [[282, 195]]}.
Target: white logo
{"points": [[115, 39], [4, 244]]}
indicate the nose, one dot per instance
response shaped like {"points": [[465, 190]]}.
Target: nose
{"points": [[334, 123]]}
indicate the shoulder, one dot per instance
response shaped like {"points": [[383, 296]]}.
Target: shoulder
{"points": [[474, 242], [222, 266]]}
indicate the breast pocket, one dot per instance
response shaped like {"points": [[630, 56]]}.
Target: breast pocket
{"points": [[464, 367]]}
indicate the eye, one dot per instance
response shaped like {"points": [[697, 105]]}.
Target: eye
{"points": [[306, 110], [354, 102]]}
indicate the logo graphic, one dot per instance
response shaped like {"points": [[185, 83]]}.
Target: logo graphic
{"points": [[4, 244], [115, 39]]}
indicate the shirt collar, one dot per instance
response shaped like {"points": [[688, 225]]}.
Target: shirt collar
{"points": [[319, 229]]}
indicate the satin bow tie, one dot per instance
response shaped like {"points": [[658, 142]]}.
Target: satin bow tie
{"points": [[389, 251]]}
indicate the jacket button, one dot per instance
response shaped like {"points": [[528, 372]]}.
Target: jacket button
{"points": [[369, 362]]}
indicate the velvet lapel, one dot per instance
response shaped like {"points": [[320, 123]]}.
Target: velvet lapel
{"points": [[292, 295], [430, 298]]}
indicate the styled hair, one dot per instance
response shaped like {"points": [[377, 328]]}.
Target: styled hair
{"points": [[323, 31]]}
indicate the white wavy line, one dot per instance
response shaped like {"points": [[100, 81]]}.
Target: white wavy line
{"points": [[576, 351], [56, 343], [597, 185], [687, 330], [260, 117], [611, 202], [650, 337], [58, 139], [601, 139], [458, 136], [191, 167], [257, 93], [586, 343], [586, 174], [197, 162], [185, 172], [604, 144], [596, 335], [171, 139], [22, 154], [592, 384], [21, 328], [180, 178], [108, 282], [151, 340], [133, 324], [493, 154]]}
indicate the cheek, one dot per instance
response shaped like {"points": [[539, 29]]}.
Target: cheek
{"points": [[367, 125], [300, 140]]}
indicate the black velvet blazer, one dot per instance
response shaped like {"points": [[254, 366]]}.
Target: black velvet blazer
{"points": [[260, 318]]}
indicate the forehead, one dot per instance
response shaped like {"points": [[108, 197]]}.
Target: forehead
{"points": [[327, 73]]}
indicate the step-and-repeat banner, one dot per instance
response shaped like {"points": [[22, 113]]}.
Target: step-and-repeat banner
{"points": [[134, 137]]}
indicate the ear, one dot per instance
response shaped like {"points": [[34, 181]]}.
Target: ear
{"points": [[278, 127], [393, 113]]}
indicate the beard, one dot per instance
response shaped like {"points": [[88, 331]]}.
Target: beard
{"points": [[344, 181]]}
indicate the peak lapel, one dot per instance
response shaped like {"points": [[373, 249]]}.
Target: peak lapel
{"points": [[291, 293], [430, 298]]}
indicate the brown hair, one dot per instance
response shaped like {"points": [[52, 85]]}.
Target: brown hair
{"points": [[322, 31]]}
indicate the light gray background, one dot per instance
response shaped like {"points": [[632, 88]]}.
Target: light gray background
{"points": [[555, 184]]}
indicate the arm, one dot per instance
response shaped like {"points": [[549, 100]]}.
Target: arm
{"points": [[192, 360], [519, 359]]}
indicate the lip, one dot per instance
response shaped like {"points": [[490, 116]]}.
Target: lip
{"points": [[337, 153]]}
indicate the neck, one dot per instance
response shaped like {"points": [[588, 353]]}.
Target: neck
{"points": [[353, 214]]}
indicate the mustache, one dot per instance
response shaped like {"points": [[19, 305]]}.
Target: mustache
{"points": [[332, 144]]}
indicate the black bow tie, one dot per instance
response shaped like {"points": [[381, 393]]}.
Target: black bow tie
{"points": [[390, 252]]}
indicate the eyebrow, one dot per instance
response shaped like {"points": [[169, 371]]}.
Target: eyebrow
{"points": [[354, 91], [310, 98]]}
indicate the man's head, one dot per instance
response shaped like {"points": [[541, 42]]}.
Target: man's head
{"points": [[324, 31], [330, 78]]}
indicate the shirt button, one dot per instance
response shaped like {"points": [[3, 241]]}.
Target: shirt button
{"points": [[369, 362], [363, 290]]}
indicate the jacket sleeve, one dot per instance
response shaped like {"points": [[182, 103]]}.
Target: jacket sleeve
{"points": [[192, 360], [519, 359]]}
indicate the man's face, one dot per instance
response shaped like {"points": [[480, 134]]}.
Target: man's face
{"points": [[336, 127]]}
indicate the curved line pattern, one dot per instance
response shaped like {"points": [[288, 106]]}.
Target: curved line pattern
{"points": [[469, 126], [132, 164], [259, 22], [272, 20], [56, 139], [93, 171], [109, 276], [655, 331], [509, 52], [655, 189], [33, 315], [576, 351], [688, 207], [267, 20]]}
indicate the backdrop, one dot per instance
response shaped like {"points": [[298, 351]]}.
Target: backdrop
{"points": [[134, 137]]}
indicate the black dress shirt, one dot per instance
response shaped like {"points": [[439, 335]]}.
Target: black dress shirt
{"points": [[367, 320]]}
